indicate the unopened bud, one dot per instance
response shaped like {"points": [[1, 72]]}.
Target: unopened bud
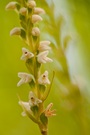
{"points": [[39, 11], [11, 5], [35, 31], [15, 31], [31, 4], [36, 18], [23, 11]]}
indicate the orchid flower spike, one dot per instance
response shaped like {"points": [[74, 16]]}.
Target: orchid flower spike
{"points": [[42, 57], [25, 78], [44, 45], [33, 100], [48, 112], [26, 54], [43, 79]]}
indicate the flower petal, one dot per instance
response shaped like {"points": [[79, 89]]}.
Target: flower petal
{"points": [[42, 57], [25, 78]]}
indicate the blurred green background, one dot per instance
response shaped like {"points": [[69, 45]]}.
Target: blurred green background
{"points": [[77, 17]]}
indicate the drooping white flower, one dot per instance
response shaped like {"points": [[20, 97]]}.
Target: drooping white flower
{"points": [[42, 57], [36, 18], [26, 54], [44, 45], [25, 78], [15, 31], [38, 10], [35, 31], [31, 3], [43, 79], [25, 106], [11, 5], [48, 112], [33, 100]]}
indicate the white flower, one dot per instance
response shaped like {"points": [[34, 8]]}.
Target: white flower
{"points": [[23, 11], [11, 5], [26, 54], [33, 100], [36, 18], [38, 10], [43, 79], [31, 4], [42, 57], [44, 45], [35, 31], [25, 106], [48, 112], [25, 78], [15, 31]]}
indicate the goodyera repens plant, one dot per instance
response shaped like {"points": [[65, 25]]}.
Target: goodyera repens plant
{"points": [[34, 57]]}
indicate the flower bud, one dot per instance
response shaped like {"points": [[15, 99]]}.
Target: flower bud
{"points": [[23, 11], [36, 18], [11, 6], [35, 31], [31, 4], [15, 31], [39, 11], [44, 45]]}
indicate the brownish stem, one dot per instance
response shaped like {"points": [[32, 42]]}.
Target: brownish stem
{"points": [[43, 129], [44, 132]]}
